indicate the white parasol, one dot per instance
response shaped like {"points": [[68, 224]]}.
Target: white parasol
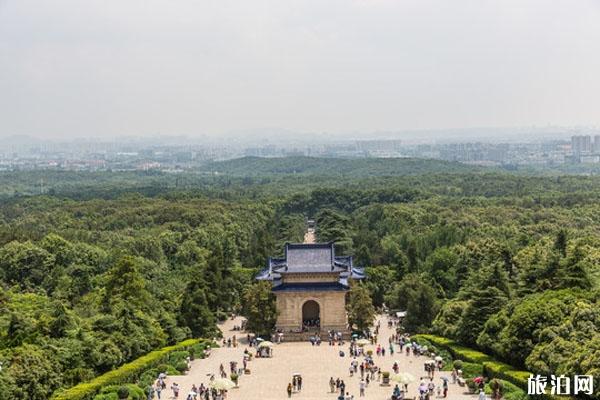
{"points": [[403, 377], [222, 384]]}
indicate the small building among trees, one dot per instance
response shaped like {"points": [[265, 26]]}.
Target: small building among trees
{"points": [[310, 283]]}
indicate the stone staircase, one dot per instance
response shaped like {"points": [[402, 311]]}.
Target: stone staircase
{"points": [[305, 336]]}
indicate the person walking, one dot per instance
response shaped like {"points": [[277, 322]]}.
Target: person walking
{"points": [[175, 389], [482, 395], [361, 387], [331, 385], [289, 390]]}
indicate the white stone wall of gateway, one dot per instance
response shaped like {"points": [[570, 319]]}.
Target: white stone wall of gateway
{"points": [[332, 307]]}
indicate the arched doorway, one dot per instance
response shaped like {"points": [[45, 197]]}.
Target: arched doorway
{"points": [[311, 315]]}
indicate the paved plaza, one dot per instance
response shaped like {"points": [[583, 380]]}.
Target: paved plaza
{"points": [[270, 376]]}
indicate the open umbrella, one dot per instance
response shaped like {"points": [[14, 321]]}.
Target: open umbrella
{"points": [[403, 377], [222, 384], [363, 342], [438, 358], [266, 343]]}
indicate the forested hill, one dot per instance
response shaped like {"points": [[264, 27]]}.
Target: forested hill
{"points": [[356, 167]]}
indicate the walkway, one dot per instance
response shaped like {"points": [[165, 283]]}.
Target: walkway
{"points": [[309, 236], [269, 376]]}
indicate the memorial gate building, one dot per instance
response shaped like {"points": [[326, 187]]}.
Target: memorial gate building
{"points": [[310, 283]]}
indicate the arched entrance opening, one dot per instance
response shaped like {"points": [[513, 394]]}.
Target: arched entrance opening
{"points": [[311, 314]]}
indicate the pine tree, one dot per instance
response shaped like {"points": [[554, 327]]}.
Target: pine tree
{"points": [[195, 312], [260, 308], [573, 271], [560, 244], [360, 307], [125, 283]]}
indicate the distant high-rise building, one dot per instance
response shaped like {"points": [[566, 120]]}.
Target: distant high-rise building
{"points": [[597, 144], [581, 144]]}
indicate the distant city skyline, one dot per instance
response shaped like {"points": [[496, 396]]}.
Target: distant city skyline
{"points": [[285, 136], [341, 68]]}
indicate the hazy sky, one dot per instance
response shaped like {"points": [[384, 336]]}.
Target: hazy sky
{"points": [[74, 68]]}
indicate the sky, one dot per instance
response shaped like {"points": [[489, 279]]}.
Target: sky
{"points": [[110, 68]]}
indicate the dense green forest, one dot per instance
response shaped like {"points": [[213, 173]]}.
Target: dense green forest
{"points": [[358, 167], [106, 267]]}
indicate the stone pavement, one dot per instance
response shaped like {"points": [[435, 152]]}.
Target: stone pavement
{"points": [[269, 376]]}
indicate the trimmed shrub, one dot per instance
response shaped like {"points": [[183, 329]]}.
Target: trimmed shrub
{"points": [[177, 356], [123, 393], [508, 390], [129, 372], [491, 367], [471, 370], [148, 377], [181, 366], [197, 350], [506, 372], [117, 392]]}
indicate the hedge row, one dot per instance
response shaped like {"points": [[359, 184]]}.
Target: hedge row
{"points": [[491, 367], [127, 373]]}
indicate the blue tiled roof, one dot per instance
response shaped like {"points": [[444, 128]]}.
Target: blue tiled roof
{"points": [[310, 286], [310, 258]]}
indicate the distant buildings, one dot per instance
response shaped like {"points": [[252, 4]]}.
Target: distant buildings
{"points": [[581, 144], [129, 156], [585, 150]]}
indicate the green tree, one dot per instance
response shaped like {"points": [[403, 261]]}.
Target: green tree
{"points": [[259, 307], [25, 264], [442, 265], [394, 256], [361, 312], [195, 311], [415, 295], [380, 280], [560, 243], [126, 284], [574, 271], [34, 373], [486, 292]]}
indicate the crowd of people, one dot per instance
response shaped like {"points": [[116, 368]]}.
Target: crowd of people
{"points": [[295, 385], [367, 360], [309, 324]]}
